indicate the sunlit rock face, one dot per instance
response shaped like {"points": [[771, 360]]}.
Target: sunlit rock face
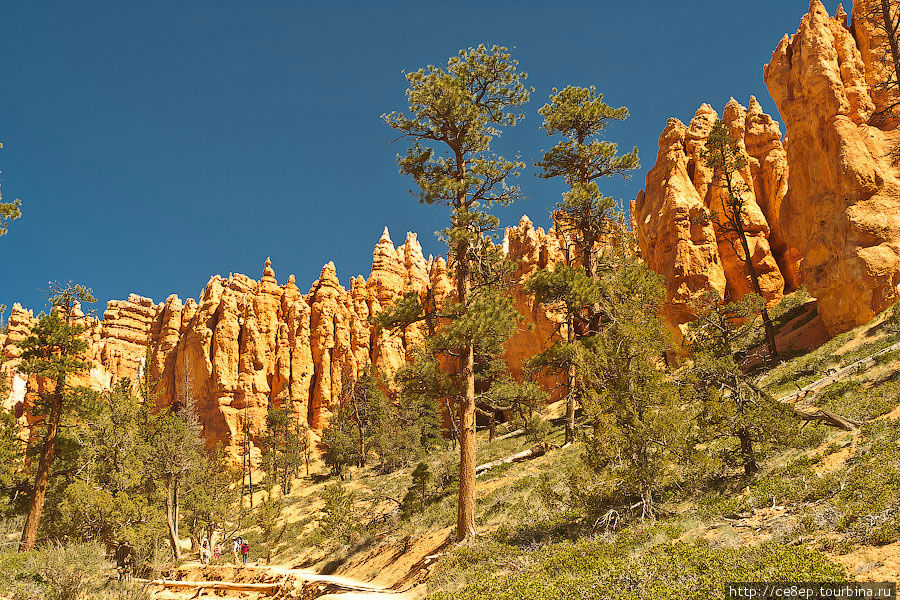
{"points": [[248, 345], [532, 249], [842, 209], [679, 217]]}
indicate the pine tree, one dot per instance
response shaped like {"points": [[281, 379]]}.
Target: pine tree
{"points": [[341, 441], [12, 450], [639, 428], [267, 516], [9, 211], [731, 406], [179, 452], [454, 113], [417, 495], [723, 155], [583, 219], [210, 494], [107, 495], [52, 351]]}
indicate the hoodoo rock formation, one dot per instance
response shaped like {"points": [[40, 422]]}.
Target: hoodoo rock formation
{"points": [[246, 346], [532, 249], [842, 210], [678, 218]]}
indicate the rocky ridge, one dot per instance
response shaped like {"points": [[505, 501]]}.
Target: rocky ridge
{"points": [[678, 217], [842, 210], [246, 345], [833, 225]]}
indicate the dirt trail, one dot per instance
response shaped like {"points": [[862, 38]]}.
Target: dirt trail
{"points": [[348, 583], [193, 579]]}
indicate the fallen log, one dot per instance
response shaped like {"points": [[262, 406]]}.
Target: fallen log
{"points": [[827, 417], [833, 376], [216, 585], [509, 435], [533, 452]]}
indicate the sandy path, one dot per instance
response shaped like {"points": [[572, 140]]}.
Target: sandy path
{"points": [[348, 588]]}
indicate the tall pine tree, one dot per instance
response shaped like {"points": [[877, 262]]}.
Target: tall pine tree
{"points": [[637, 443], [583, 219], [724, 156], [53, 351], [454, 113]]}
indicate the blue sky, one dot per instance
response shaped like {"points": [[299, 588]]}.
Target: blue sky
{"points": [[154, 144]]}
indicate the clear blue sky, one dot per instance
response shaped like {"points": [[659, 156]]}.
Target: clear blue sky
{"points": [[154, 144]]}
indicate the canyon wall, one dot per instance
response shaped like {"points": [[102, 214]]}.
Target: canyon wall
{"points": [[679, 217], [246, 345], [833, 225], [842, 210]]}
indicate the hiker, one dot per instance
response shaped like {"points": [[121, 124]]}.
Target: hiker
{"points": [[245, 550], [235, 548], [217, 552], [204, 551]]}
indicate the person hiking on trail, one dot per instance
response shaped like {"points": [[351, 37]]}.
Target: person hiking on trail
{"points": [[204, 551], [245, 550], [217, 552], [235, 548]]}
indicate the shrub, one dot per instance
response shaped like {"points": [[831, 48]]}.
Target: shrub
{"points": [[851, 399], [599, 569], [339, 519], [64, 572]]}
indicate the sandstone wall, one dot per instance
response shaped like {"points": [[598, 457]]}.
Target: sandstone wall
{"points": [[678, 217], [246, 345], [842, 210]]}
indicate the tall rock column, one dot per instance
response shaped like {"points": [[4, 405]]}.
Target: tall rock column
{"points": [[680, 220], [676, 238], [842, 210]]}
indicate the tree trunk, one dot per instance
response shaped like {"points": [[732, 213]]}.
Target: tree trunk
{"points": [[362, 435], [171, 516], [177, 504], [570, 396], [892, 38], [244, 463], [767, 322], [736, 209], [533, 452], [42, 477], [747, 454], [465, 521]]}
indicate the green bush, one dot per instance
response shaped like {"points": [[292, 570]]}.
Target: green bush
{"points": [[58, 572], [599, 569], [851, 399], [886, 533]]}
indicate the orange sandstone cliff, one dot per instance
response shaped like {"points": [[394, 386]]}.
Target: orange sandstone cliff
{"points": [[246, 345], [842, 210], [675, 216]]}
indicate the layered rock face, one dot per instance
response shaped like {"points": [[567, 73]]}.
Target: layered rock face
{"points": [[679, 217], [842, 211], [532, 249], [246, 346]]}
